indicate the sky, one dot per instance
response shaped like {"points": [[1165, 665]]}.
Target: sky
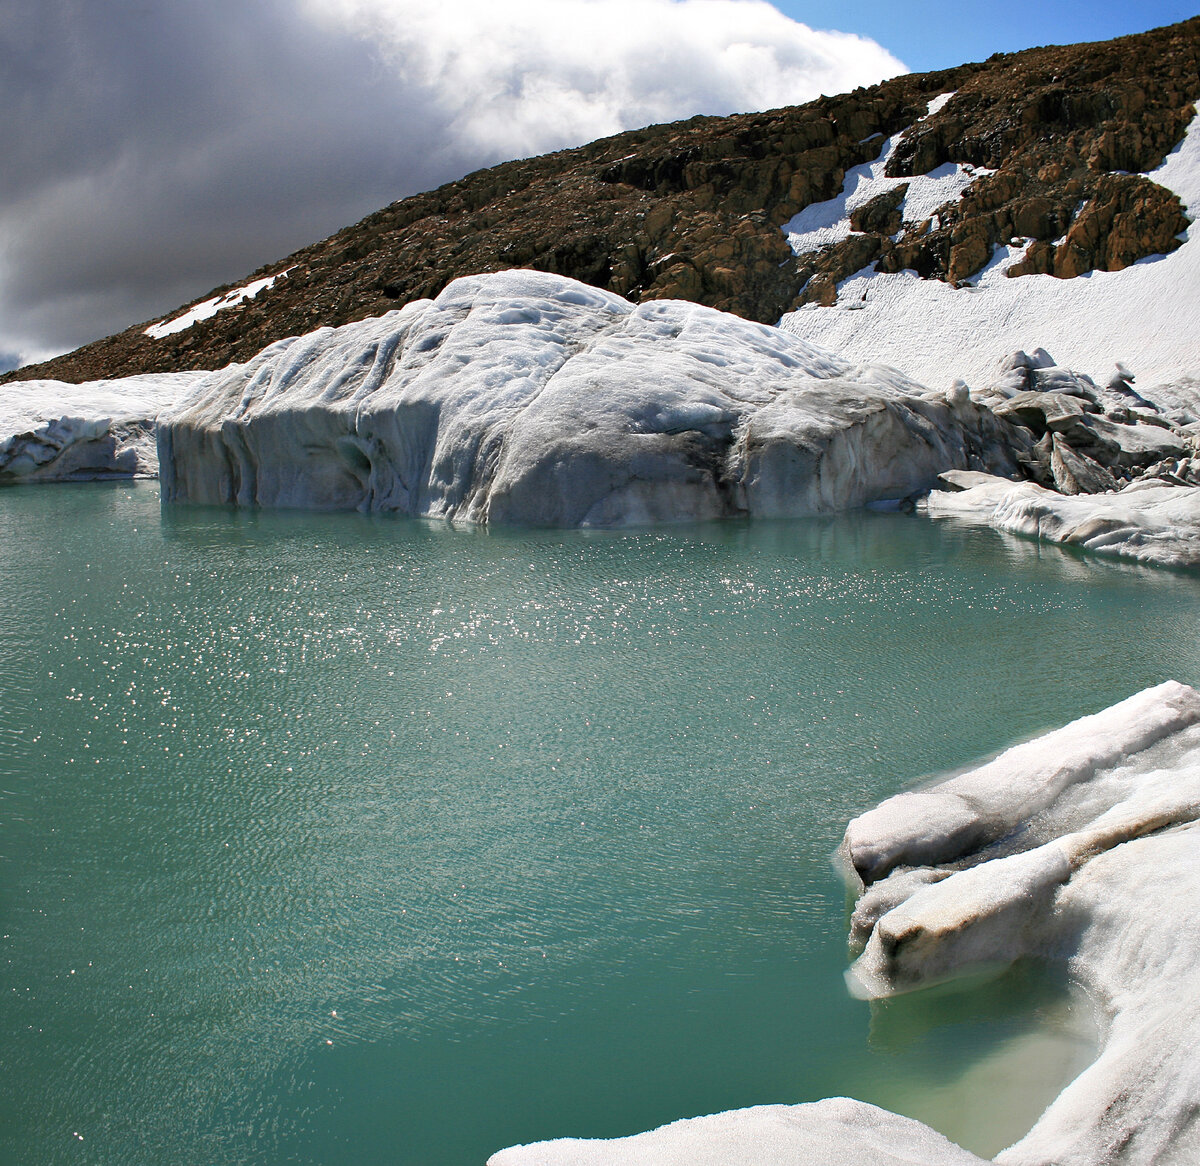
{"points": [[154, 149]]}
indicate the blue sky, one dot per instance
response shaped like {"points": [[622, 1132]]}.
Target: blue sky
{"points": [[936, 35]]}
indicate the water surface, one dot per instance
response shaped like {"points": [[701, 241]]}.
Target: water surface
{"points": [[346, 839]]}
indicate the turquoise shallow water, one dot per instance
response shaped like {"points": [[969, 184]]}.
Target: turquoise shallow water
{"points": [[337, 839]]}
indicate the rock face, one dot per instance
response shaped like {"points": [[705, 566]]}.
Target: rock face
{"points": [[56, 432], [1054, 139], [528, 398], [1081, 845]]}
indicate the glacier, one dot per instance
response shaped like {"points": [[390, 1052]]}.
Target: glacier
{"points": [[1082, 845], [1149, 521], [524, 397]]}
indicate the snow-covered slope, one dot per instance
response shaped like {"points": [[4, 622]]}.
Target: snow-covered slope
{"points": [[525, 397], [1081, 845], [1147, 315], [55, 432]]}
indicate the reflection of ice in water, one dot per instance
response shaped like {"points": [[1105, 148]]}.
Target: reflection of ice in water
{"points": [[996, 1099]]}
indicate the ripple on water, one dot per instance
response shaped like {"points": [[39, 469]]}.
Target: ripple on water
{"points": [[319, 828]]}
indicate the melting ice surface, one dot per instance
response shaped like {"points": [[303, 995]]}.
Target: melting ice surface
{"points": [[349, 840]]}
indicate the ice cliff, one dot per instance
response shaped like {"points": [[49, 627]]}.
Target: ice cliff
{"points": [[524, 397], [1082, 845]]}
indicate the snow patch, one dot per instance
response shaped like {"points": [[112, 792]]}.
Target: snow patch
{"points": [[210, 308], [825, 223], [1147, 315]]}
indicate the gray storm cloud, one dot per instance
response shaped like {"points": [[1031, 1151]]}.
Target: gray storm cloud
{"points": [[155, 149]]}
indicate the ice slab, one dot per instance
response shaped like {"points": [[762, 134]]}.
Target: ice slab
{"points": [[1082, 845], [1085, 845], [1148, 521], [51, 431], [850, 1133]]}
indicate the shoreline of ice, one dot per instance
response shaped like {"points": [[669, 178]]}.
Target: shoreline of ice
{"points": [[1053, 849]]}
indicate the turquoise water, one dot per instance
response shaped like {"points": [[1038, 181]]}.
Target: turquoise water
{"points": [[338, 839]]}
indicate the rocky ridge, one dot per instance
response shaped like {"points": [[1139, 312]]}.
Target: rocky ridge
{"points": [[694, 210]]}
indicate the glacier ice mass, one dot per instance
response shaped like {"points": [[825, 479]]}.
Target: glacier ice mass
{"points": [[524, 397], [1082, 845], [1149, 521], [56, 432]]}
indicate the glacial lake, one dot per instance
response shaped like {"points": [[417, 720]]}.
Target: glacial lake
{"points": [[341, 839]]}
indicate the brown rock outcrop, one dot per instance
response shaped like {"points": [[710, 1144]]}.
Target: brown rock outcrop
{"points": [[694, 209]]}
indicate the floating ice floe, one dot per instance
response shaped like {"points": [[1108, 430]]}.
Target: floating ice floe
{"points": [[1082, 845], [1147, 315], [51, 431]]}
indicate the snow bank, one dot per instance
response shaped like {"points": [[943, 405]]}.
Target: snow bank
{"points": [[524, 397], [1081, 845], [51, 431], [1148, 521], [1147, 315]]}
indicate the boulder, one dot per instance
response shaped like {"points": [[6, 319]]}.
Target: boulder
{"points": [[1075, 473]]}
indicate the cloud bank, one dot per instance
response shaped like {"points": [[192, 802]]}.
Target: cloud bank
{"points": [[153, 150]]}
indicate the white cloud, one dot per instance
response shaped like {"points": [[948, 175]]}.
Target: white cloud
{"points": [[154, 150], [521, 78]]}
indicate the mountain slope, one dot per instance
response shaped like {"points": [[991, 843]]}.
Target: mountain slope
{"points": [[695, 210]]}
